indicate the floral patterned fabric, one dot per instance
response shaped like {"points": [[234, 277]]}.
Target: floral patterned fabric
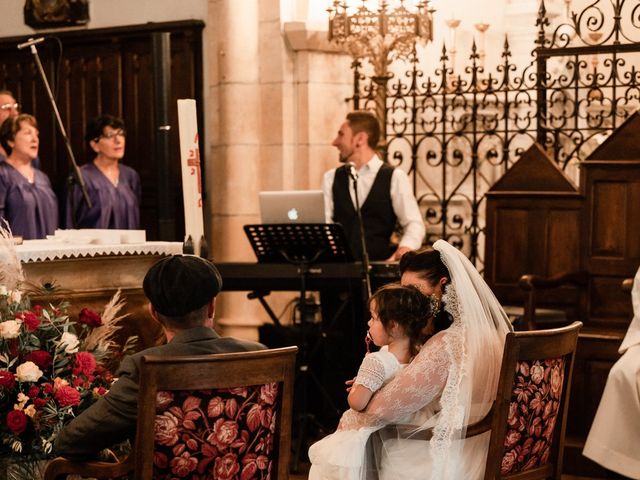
{"points": [[221, 434], [534, 407]]}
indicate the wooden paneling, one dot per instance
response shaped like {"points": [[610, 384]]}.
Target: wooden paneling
{"points": [[109, 71], [608, 199]]}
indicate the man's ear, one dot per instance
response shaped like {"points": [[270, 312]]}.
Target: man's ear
{"points": [[211, 310], [361, 139], [153, 313]]}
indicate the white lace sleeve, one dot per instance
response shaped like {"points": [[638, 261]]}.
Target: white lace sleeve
{"points": [[412, 388], [371, 373]]}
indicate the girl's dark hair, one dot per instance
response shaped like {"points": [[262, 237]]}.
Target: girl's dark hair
{"points": [[408, 307], [427, 264]]}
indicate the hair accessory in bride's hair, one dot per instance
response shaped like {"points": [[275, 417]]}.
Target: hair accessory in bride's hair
{"points": [[434, 303]]}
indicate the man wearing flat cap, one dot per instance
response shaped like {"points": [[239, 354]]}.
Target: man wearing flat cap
{"points": [[182, 292]]}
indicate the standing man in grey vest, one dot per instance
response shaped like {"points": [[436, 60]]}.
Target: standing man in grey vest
{"points": [[384, 193]]}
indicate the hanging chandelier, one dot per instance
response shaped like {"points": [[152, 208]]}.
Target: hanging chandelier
{"points": [[383, 35]]}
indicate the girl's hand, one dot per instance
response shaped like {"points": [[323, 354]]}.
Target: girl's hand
{"points": [[349, 384]]}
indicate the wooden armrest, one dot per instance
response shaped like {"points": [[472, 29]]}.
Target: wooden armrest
{"points": [[60, 467], [529, 281], [627, 284], [410, 432]]}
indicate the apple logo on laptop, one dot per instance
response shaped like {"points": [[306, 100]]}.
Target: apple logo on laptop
{"points": [[292, 214]]}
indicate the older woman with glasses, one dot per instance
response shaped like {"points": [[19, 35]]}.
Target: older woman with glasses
{"points": [[114, 188], [27, 201]]}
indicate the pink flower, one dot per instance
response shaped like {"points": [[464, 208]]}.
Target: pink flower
{"points": [[224, 433], [66, 395], [89, 317], [556, 382], [508, 462], [7, 379], [30, 320], [166, 429], [183, 465], [41, 358], [524, 368], [215, 408], [163, 400], [511, 439], [226, 467], [249, 471], [269, 393], [537, 373], [17, 421], [85, 363]]}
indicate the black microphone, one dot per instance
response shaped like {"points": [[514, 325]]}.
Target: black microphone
{"points": [[30, 42], [351, 169]]}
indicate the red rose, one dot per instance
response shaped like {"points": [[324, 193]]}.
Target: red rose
{"points": [[33, 391], [183, 465], [41, 358], [90, 317], [224, 433], [66, 395], [39, 403], [7, 379], [269, 393], [30, 320], [47, 388], [37, 309], [16, 421], [226, 467], [85, 362]]}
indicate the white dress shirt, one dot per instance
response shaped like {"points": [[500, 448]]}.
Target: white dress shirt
{"points": [[402, 199]]}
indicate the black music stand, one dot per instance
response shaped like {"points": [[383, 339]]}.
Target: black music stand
{"points": [[302, 245]]}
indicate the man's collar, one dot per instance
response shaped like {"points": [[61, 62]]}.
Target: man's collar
{"points": [[194, 334], [374, 164]]}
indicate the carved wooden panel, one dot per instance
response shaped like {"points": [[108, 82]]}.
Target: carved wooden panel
{"points": [[109, 71]]}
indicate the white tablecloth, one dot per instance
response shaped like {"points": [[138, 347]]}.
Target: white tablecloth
{"points": [[41, 250]]}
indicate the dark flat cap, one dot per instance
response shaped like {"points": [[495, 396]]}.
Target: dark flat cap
{"points": [[180, 284]]}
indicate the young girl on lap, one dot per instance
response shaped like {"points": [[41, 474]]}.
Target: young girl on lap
{"points": [[399, 316]]}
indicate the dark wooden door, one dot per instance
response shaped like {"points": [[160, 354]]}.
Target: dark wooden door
{"points": [[109, 71]]}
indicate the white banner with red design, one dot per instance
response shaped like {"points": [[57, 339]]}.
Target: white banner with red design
{"points": [[191, 174]]}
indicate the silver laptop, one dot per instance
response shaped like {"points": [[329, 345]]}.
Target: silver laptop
{"points": [[292, 206]]}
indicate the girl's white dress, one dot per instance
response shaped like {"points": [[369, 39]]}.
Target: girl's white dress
{"points": [[341, 455]]}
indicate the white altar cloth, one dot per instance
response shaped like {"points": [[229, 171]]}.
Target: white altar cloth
{"points": [[43, 250]]}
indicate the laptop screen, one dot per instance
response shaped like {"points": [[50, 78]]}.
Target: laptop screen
{"points": [[292, 206]]}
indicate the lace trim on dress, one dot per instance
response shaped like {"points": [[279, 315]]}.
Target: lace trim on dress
{"points": [[371, 373], [452, 412]]}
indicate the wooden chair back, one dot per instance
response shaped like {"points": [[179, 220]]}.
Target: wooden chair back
{"points": [[207, 416], [530, 412]]}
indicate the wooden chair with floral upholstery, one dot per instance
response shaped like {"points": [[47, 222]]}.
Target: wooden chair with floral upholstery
{"points": [[529, 417], [205, 417]]}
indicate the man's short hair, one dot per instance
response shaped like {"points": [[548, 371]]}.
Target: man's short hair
{"points": [[96, 126], [364, 121], [181, 286], [11, 126]]}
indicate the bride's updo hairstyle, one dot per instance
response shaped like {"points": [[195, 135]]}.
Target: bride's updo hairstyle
{"points": [[427, 265]]}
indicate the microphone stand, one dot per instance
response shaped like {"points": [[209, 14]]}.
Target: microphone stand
{"points": [[366, 267], [73, 165]]}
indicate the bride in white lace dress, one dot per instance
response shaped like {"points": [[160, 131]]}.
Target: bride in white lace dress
{"points": [[450, 383]]}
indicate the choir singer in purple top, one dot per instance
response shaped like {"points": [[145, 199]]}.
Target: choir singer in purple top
{"points": [[114, 188], [27, 201]]}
